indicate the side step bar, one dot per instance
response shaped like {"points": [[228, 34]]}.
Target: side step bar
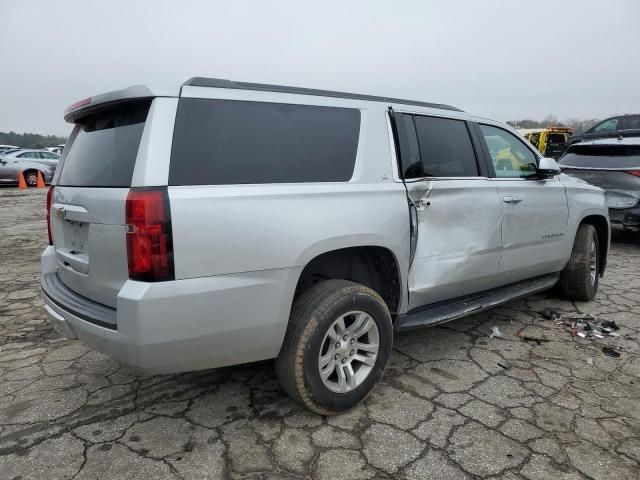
{"points": [[448, 310]]}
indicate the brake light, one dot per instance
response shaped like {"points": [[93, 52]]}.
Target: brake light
{"points": [[49, 199], [634, 172], [78, 104], [149, 237]]}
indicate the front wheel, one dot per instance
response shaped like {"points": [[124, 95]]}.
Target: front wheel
{"points": [[336, 347], [579, 279]]}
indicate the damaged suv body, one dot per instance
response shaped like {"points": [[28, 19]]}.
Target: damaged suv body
{"points": [[223, 222]]}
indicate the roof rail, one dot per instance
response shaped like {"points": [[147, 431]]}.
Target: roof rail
{"points": [[223, 83]]}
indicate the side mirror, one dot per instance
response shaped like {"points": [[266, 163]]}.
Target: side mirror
{"points": [[548, 167]]}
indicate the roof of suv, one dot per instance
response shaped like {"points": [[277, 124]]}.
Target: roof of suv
{"points": [[82, 107], [223, 83]]}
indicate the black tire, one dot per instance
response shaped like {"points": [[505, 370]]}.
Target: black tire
{"points": [[31, 178], [313, 313], [576, 280]]}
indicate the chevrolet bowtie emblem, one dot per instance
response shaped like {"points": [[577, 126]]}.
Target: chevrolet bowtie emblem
{"points": [[60, 212]]}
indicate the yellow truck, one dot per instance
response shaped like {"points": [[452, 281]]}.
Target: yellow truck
{"points": [[550, 141]]}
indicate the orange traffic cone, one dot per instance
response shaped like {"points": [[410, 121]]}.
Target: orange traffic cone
{"points": [[21, 183], [40, 183]]}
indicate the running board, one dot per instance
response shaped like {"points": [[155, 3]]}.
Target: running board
{"points": [[448, 310]]}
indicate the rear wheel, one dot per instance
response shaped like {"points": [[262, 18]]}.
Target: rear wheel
{"points": [[31, 178], [337, 346], [579, 279]]}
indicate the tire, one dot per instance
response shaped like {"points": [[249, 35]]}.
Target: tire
{"points": [[31, 178], [309, 340], [579, 279]]}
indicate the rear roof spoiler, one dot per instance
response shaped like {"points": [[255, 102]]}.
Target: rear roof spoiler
{"points": [[86, 105]]}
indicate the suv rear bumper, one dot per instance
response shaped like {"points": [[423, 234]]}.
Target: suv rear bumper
{"points": [[626, 217], [181, 325]]}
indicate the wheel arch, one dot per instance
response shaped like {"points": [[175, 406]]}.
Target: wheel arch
{"points": [[601, 224], [374, 266]]}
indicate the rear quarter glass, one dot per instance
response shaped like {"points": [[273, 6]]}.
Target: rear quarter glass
{"points": [[104, 150], [225, 142]]}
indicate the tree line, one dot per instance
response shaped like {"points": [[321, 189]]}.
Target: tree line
{"points": [[577, 124], [35, 140], [30, 140]]}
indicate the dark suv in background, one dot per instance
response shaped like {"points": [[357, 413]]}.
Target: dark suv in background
{"points": [[622, 125], [612, 164]]}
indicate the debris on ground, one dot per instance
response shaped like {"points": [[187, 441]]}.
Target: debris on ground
{"points": [[590, 361], [610, 352], [495, 332], [609, 326], [583, 326], [503, 366]]}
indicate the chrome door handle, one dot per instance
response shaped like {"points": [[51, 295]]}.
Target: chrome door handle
{"points": [[511, 199]]}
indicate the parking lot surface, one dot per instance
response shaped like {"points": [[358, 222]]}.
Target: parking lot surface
{"points": [[536, 403]]}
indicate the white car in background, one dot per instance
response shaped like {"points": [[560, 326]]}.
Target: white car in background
{"points": [[28, 163]]}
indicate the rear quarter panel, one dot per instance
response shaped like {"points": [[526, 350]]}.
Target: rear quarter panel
{"points": [[227, 229]]}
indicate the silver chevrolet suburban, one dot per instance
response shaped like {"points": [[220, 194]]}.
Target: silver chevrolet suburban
{"points": [[221, 222]]}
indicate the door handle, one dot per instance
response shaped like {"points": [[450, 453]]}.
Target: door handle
{"points": [[512, 200]]}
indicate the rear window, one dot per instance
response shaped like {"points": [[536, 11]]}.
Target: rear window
{"points": [[223, 142], [557, 138], [602, 156], [631, 123], [104, 151]]}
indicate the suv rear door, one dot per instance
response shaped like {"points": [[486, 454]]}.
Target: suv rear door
{"points": [[455, 209], [88, 204]]}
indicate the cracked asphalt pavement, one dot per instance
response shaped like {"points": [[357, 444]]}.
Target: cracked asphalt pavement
{"points": [[454, 403]]}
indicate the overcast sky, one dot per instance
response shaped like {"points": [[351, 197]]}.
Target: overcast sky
{"points": [[502, 59]]}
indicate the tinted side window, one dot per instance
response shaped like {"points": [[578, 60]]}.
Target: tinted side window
{"points": [[445, 147], [631, 122], [535, 139], [408, 144], [511, 157], [223, 142]]}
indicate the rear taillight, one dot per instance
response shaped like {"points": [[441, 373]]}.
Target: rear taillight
{"points": [[634, 172], [149, 238], [49, 199]]}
